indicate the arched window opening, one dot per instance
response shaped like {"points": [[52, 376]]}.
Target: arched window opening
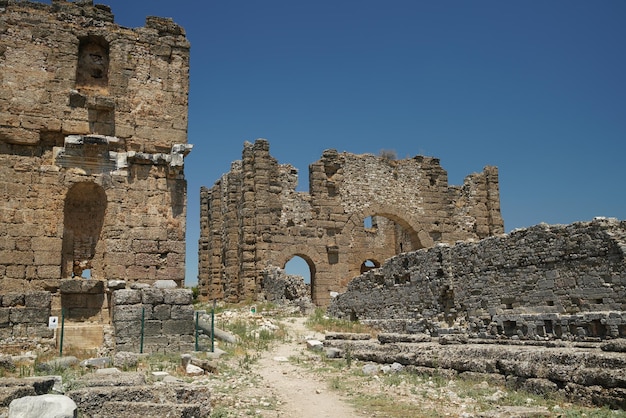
{"points": [[83, 218], [391, 232], [368, 265]]}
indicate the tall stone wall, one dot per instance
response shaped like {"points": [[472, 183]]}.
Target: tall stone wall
{"points": [[545, 281], [253, 217], [93, 132]]}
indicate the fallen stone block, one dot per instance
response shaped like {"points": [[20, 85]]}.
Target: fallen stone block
{"points": [[6, 363], [347, 336], [453, 339], [43, 406], [333, 352], [100, 362], [618, 346], [61, 363], [11, 388], [165, 284], [315, 345], [389, 338], [125, 359], [192, 370], [10, 393], [111, 379], [370, 369]]}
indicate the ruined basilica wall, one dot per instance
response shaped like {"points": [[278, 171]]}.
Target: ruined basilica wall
{"points": [[253, 217], [557, 280], [93, 122]]}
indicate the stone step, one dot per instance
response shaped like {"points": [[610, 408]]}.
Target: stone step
{"points": [[149, 409]]}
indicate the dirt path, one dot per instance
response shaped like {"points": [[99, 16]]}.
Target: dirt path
{"points": [[299, 392]]}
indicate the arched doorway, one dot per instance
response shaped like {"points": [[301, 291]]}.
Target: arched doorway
{"points": [[83, 217], [301, 265]]}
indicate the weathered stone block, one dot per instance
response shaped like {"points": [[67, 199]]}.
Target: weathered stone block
{"points": [[152, 296], [117, 409], [38, 300], [182, 312], [127, 329], [88, 286], [178, 327], [126, 297], [153, 327], [43, 258], [129, 313], [178, 296], [161, 312], [46, 244], [29, 315], [4, 317], [40, 331], [13, 299], [49, 272]]}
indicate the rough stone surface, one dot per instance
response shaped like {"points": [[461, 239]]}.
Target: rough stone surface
{"points": [[284, 289], [24, 316], [60, 363], [585, 374], [101, 396], [93, 131], [544, 282], [167, 315], [11, 389], [147, 409], [43, 406], [125, 359], [254, 217]]}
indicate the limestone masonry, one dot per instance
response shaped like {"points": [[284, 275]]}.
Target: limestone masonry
{"points": [[253, 218], [544, 282], [93, 132]]}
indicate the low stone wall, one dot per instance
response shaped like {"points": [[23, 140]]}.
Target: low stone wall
{"points": [[581, 372], [547, 281], [129, 394], [167, 316], [25, 315]]}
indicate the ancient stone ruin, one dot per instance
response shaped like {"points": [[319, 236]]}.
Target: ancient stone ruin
{"points": [[544, 282], [93, 133], [253, 218], [540, 309]]}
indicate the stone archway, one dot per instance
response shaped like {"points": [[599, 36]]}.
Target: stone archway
{"points": [[83, 217], [369, 264], [378, 233], [300, 251]]}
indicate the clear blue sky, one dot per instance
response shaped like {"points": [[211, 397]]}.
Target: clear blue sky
{"points": [[537, 88]]}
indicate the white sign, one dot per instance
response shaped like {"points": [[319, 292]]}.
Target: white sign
{"points": [[53, 322]]}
